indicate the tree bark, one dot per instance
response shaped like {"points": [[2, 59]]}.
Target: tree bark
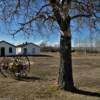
{"points": [[65, 79]]}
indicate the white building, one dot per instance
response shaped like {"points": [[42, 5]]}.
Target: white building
{"points": [[7, 49], [27, 49]]}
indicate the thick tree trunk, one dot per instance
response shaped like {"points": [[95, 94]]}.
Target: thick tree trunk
{"points": [[65, 79]]}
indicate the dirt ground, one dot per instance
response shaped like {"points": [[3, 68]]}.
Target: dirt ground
{"points": [[41, 83]]}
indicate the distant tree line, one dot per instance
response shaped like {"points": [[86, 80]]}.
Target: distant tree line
{"points": [[86, 49], [49, 48]]}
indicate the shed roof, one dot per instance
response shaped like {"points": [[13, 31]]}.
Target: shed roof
{"points": [[25, 44], [7, 43]]}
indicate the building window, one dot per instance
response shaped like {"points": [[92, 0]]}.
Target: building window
{"points": [[10, 50]]}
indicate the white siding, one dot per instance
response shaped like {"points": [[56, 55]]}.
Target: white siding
{"points": [[29, 47], [18, 50], [7, 46]]}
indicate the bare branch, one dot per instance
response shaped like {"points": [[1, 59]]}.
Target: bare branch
{"points": [[80, 15], [42, 8], [49, 10], [17, 6]]}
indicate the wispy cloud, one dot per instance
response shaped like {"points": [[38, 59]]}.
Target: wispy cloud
{"points": [[39, 42]]}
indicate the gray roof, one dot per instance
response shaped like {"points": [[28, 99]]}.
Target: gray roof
{"points": [[7, 43], [25, 44]]}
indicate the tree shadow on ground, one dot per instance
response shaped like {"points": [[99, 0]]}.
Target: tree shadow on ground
{"points": [[35, 55], [84, 92], [30, 78]]}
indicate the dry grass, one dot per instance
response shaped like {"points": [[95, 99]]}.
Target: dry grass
{"points": [[42, 81]]}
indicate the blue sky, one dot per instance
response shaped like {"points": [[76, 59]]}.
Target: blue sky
{"points": [[52, 38]]}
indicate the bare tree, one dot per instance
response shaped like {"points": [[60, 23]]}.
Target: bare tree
{"points": [[53, 14]]}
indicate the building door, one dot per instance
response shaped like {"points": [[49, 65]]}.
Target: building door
{"points": [[33, 50], [25, 51], [2, 51]]}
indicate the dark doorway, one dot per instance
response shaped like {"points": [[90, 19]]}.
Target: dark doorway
{"points": [[25, 51], [2, 51]]}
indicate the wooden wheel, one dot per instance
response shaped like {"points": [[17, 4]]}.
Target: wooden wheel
{"points": [[4, 66], [18, 66], [21, 66]]}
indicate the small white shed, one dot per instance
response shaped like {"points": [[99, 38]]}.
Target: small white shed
{"points": [[27, 49], [7, 49]]}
